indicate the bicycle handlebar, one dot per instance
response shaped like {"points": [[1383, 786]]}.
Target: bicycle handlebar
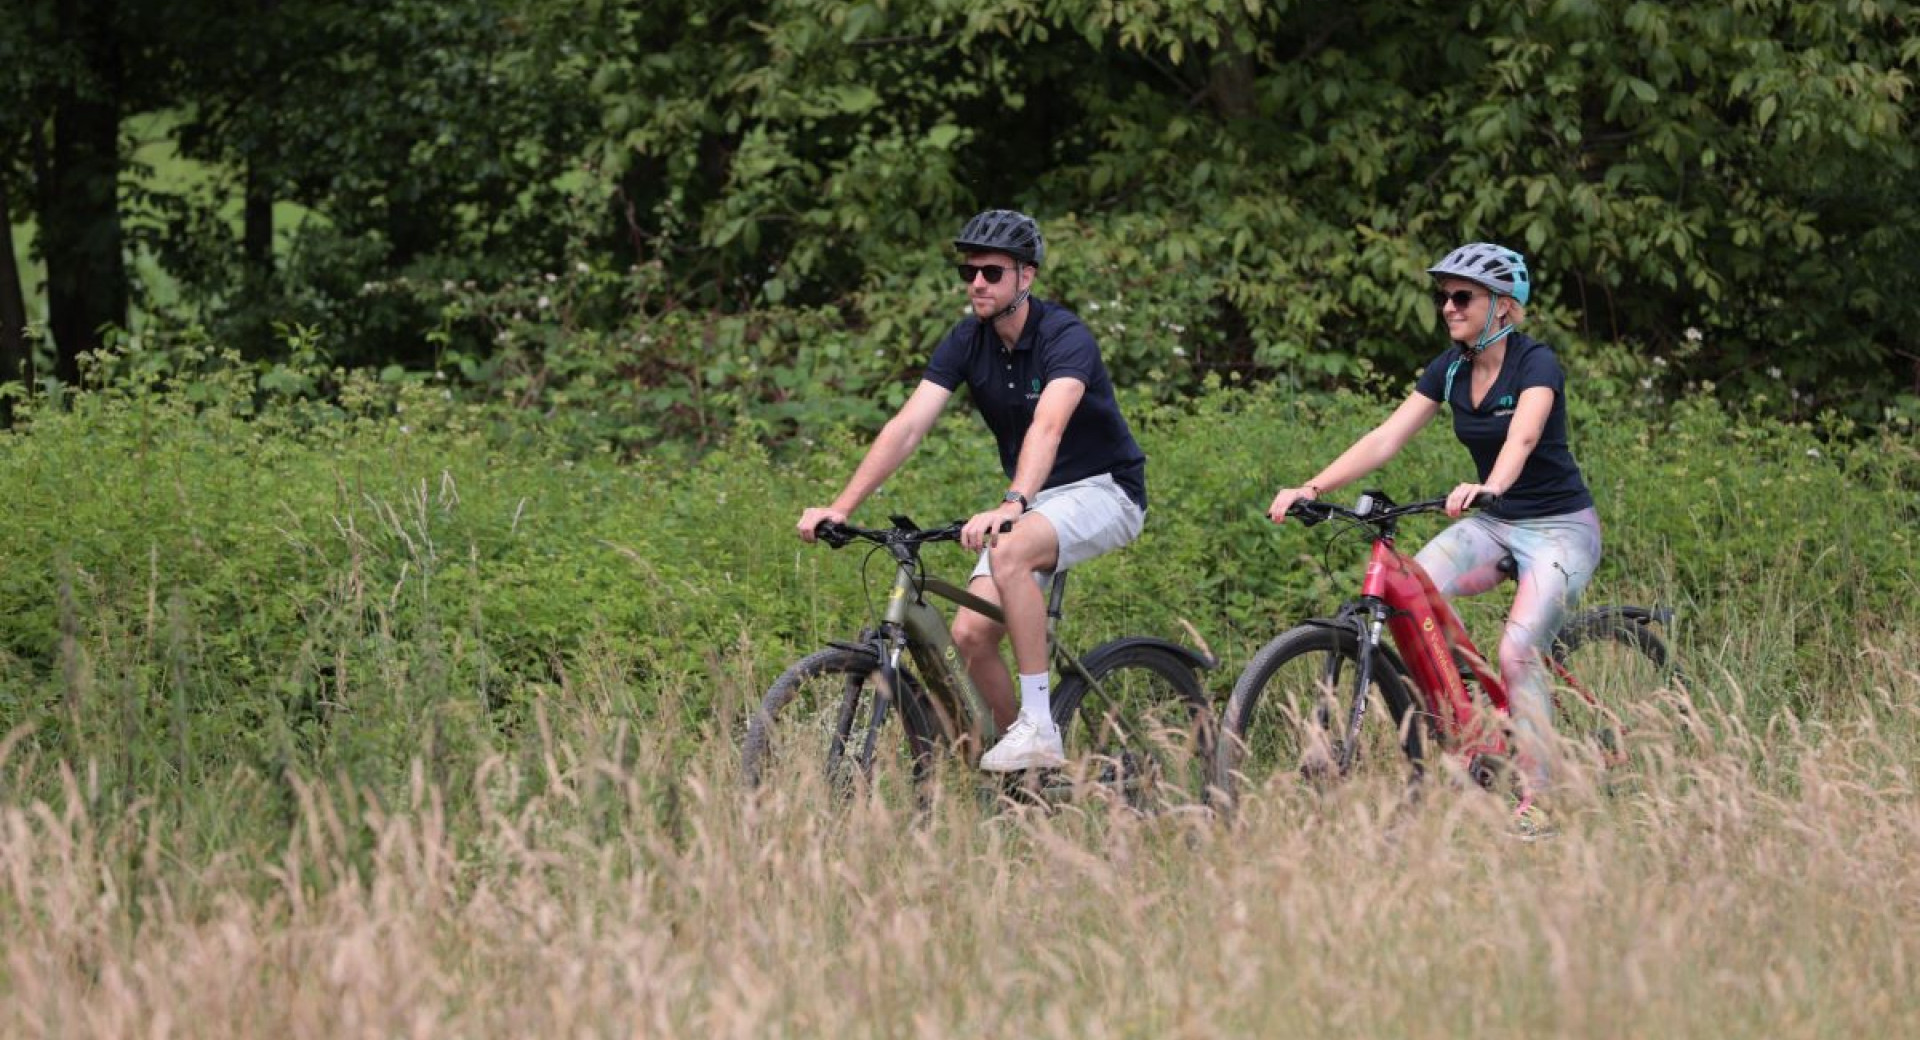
{"points": [[903, 532], [1375, 508]]}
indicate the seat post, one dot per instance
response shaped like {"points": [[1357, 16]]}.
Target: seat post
{"points": [[1057, 595]]}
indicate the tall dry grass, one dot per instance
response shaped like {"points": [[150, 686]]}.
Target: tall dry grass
{"points": [[1735, 880]]}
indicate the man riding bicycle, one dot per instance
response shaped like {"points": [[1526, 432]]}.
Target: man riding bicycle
{"points": [[1076, 477], [1507, 393]]}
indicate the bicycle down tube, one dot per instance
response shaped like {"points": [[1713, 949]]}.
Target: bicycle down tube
{"points": [[951, 689], [1419, 616]]}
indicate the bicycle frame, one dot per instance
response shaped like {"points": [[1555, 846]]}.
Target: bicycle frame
{"points": [[912, 624], [1435, 648]]}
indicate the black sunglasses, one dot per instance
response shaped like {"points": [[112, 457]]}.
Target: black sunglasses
{"points": [[991, 272], [1460, 298]]}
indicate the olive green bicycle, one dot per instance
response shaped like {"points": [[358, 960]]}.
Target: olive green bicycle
{"points": [[1133, 712]]}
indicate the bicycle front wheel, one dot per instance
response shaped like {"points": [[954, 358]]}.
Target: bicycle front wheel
{"points": [[1608, 661], [1143, 726], [1290, 711], [816, 719]]}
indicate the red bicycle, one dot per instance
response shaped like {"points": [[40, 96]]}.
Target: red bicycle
{"points": [[1285, 711]]}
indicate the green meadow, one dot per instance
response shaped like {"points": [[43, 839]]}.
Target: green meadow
{"points": [[380, 710]]}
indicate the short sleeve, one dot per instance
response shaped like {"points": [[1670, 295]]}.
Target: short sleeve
{"points": [[1540, 367], [948, 369], [1433, 382], [1069, 352]]}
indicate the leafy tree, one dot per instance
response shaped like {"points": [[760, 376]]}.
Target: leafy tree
{"points": [[1248, 187]]}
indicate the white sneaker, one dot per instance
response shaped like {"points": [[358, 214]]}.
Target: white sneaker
{"points": [[1026, 746]]}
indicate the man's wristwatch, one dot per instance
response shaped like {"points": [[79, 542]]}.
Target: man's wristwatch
{"points": [[1015, 496]]}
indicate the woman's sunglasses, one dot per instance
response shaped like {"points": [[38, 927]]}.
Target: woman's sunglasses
{"points": [[1460, 298], [991, 272]]}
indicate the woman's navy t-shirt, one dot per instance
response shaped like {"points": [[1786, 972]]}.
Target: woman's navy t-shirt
{"points": [[1006, 384], [1550, 483]]}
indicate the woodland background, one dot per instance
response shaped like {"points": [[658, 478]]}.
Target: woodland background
{"points": [[701, 214], [407, 406]]}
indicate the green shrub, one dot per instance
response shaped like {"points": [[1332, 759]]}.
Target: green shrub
{"points": [[206, 576]]}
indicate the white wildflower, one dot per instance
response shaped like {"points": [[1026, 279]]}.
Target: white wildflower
{"points": [[1773, 371], [1813, 453], [581, 266], [1179, 352], [545, 303], [1693, 335]]}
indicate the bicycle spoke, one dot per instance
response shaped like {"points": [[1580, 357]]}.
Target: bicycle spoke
{"points": [[818, 722], [1144, 728], [1610, 670], [1291, 709]]}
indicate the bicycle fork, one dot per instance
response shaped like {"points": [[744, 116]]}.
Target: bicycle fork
{"points": [[890, 642], [1367, 622]]}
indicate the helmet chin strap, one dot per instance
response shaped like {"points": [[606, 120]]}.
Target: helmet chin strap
{"points": [[1018, 299], [1487, 338]]}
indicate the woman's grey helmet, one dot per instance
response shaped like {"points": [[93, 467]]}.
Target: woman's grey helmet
{"points": [[1003, 231], [1494, 266]]}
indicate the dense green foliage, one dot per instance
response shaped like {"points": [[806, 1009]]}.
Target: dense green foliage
{"points": [[210, 575], [750, 198]]}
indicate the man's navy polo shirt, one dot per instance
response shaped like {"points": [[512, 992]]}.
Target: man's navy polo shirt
{"points": [[1550, 483], [1006, 386]]}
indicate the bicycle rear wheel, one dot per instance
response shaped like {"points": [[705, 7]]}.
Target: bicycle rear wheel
{"points": [[1143, 727], [1290, 707], [815, 719], [1610, 660]]}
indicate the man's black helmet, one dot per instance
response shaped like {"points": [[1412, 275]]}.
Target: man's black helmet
{"points": [[1003, 231]]}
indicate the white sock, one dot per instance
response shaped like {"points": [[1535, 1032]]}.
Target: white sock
{"points": [[1036, 699]]}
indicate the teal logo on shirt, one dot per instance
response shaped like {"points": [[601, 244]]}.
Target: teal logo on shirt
{"points": [[1505, 401]]}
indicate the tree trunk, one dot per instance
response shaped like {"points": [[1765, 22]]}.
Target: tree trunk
{"points": [[13, 312], [79, 201], [257, 235], [13, 303], [1231, 82]]}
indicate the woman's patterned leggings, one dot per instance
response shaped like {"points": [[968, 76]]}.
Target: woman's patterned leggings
{"points": [[1557, 556]]}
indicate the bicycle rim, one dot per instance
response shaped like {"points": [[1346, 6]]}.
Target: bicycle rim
{"points": [[1289, 711], [815, 721], [1613, 670], [1144, 729]]}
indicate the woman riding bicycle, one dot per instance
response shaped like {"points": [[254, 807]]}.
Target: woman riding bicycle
{"points": [[1507, 392]]}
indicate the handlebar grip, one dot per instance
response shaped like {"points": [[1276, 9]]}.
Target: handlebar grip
{"points": [[1483, 500], [835, 535], [1309, 511]]}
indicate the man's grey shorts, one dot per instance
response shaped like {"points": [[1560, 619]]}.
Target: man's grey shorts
{"points": [[1090, 517]]}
